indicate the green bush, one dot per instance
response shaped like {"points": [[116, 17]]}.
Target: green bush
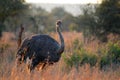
{"points": [[80, 56], [112, 55], [79, 59], [89, 59], [107, 55], [73, 60], [104, 61]]}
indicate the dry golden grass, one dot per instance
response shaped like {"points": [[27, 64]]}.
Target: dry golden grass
{"points": [[58, 71]]}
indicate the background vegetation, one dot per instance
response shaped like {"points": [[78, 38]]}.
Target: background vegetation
{"points": [[92, 40], [98, 20]]}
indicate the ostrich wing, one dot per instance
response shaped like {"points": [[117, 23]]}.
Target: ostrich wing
{"points": [[43, 46]]}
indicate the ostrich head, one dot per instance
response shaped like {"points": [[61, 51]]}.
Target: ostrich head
{"points": [[59, 25], [59, 22]]}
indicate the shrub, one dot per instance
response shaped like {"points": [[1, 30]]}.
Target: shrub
{"points": [[112, 55], [80, 56], [73, 60], [88, 58], [104, 62], [79, 59], [107, 55]]}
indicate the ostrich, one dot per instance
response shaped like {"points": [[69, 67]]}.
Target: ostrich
{"points": [[40, 49]]}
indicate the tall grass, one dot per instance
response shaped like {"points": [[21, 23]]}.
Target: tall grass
{"points": [[79, 61]]}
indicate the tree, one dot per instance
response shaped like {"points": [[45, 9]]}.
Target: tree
{"points": [[10, 8], [88, 22], [109, 17], [58, 12], [102, 20]]}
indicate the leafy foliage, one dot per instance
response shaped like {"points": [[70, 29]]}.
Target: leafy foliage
{"points": [[96, 21], [9, 8], [109, 16], [80, 56], [112, 55], [101, 20], [106, 57]]}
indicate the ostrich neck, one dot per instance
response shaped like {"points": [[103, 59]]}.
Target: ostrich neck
{"points": [[61, 41]]}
